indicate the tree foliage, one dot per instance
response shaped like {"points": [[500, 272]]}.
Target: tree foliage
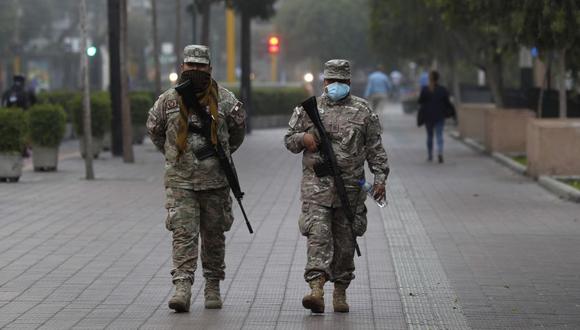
{"points": [[263, 9], [326, 29], [548, 24]]}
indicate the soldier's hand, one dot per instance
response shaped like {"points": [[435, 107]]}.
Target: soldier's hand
{"points": [[379, 192], [310, 142]]}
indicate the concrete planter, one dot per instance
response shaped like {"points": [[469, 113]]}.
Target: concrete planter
{"points": [[106, 141], [553, 147], [271, 121], [471, 120], [139, 134], [10, 167], [505, 130], [97, 146], [44, 159]]}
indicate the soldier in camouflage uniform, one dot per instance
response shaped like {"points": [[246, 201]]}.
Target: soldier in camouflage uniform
{"points": [[355, 134], [198, 198]]}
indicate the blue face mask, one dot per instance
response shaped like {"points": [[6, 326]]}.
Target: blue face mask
{"points": [[337, 91]]}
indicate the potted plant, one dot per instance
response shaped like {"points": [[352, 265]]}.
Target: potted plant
{"points": [[46, 125], [141, 102], [12, 135], [62, 98], [100, 120]]}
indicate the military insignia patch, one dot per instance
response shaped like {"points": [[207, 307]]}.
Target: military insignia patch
{"points": [[171, 103]]}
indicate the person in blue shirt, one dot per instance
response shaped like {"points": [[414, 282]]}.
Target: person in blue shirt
{"points": [[378, 87]]}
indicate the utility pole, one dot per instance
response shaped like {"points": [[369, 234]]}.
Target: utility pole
{"points": [[156, 48], [114, 16], [230, 42], [127, 130], [178, 36], [122, 140], [88, 134]]}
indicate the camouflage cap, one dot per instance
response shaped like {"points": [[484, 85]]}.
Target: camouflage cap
{"points": [[196, 54], [337, 69]]}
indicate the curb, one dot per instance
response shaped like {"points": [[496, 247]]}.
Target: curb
{"points": [[474, 145], [559, 188], [510, 163]]}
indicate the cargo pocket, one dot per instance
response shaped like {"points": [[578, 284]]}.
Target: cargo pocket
{"points": [[228, 215], [170, 207], [359, 226], [303, 223]]}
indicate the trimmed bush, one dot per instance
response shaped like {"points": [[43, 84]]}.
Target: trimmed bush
{"points": [[141, 102], [100, 114], [46, 124], [13, 124], [274, 100], [62, 98]]}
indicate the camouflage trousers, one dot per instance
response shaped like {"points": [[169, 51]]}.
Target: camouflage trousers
{"points": [[330, 242], [192, 214]]}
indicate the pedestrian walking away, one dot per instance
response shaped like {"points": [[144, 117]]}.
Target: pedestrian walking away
{"points": [[378, 87], [198, 198], [435, 106], [354, 133]]}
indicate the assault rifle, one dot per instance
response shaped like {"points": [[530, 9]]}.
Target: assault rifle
{"points": [[185, 90], [329, 158]]}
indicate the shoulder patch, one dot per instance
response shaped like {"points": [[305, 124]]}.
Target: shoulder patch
{"points": [[170, 104]]}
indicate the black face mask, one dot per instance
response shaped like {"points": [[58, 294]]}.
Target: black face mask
{"points": [[200, 80]]}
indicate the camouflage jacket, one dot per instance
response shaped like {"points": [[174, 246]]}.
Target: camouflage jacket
{"points": [[187, 171], [355, 134]]}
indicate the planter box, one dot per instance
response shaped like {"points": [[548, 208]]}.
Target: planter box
{"points": [[139, 134], [10, 167], [271, 121], [44, 159], [97, 147], [505, 130], [471, 120], [553, 147]]}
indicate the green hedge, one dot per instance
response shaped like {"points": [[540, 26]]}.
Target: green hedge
{"points": [[13, 124], [274, 100], [141, 102], [62, 98], [46, 124], [100, 114]]}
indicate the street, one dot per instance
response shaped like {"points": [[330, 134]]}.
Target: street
{"points": [[465, 244]]}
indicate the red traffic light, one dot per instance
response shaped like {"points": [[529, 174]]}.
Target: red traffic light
{"points": [[273, 45]]}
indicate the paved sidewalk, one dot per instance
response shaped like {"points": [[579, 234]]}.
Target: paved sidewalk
{"points": [[462, 245]]}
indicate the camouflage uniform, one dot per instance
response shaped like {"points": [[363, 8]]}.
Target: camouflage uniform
{"points": [[354, 131], [197, 193]]}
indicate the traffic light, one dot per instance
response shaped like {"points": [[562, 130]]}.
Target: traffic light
{"points": [[273, 45]]}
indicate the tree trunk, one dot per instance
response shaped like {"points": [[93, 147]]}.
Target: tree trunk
{"points": [[88, 134], [545, 85], [205, 22], [157, 69], [128, 156], [493, 70], [114, 13], [246, 62], [178, 48], [562, 70]]}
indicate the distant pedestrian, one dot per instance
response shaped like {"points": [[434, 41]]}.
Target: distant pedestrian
{"points": [[18, 96], [435, 106], [378, 87]]}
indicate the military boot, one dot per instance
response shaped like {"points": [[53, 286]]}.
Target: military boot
{"points": [[315, 299], [213, 299], [182, 297], [339, 298]]}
